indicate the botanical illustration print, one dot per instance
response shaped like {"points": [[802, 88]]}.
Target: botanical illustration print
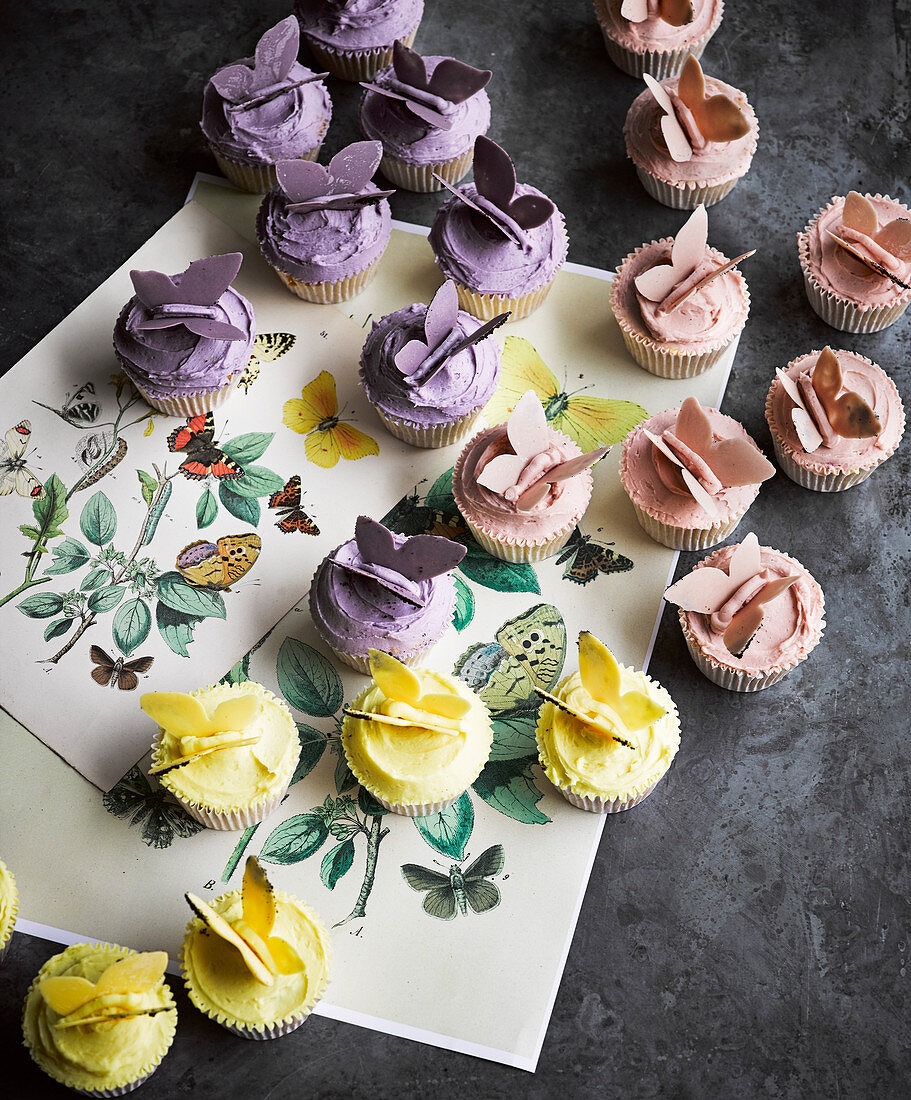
{"points": [[153, 811], [267, 347], [330, 437], [13, 471], [460, 889]]}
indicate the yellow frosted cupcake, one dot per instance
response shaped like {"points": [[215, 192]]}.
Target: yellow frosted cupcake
{"points": [[227, 753], [415, 739], [608, 734], [9, 907], [255, 960], [99, 1018]]}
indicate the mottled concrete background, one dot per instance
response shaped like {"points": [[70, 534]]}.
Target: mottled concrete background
{"points": [[746, 930]]}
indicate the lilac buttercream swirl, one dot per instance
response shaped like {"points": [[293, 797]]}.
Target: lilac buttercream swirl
{"points": [[319, 246], [465, 382], [287, 125], [472, 251], [354, 613], [170, 362], [358, 24], [409, 138]]}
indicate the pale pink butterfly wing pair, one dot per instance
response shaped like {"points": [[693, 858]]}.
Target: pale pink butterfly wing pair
{"points": [[847, 413]]}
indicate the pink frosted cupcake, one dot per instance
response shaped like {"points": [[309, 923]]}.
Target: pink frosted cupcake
{"points": [[856, 261], [522, 487], [691, 473], [656, 36], [749, 615], [679, 303], [353, 39], [834, 418], [690, 137]]}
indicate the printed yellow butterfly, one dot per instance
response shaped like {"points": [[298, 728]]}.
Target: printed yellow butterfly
{"points": [[315, 414], [591, 421]]}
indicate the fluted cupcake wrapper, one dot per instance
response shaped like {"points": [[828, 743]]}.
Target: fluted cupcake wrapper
{"points": [[273, 1031], [684, 198], [413, 658], [419, 177], [353, 65], [687, 538], [257, 178], [521, 551], [430, 435], [422, 809], [192, 404], [333, 291], [607, 805], [487, 306], [657, 63], [122, 1091], [233, 820]]}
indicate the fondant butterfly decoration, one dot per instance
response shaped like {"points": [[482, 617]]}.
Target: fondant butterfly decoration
{"points": [[219, 565], [525, 477], [691, 119], [406, 705], [401, 566], [822, 413], [690, 461], [196, 439], [451, 83], [670, 285], [291, 517], [459, 890], [675, 12], [495, 181], [13, 472], [885, 250], [315, 414], [420, 360], [120, 673], [245, 87], [267, 347], [263, 954], [160, 817], [590, 421], [231, 726], [80, 1002], [611, 713], [190, 299], [342, 186], [733, 600], [585, 558]]}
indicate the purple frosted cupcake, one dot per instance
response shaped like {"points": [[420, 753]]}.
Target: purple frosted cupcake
{"points": [[502, 242], [184, 340], [428, 370], [427, 112], [384, 591], [264, 109], [353, 38], [325, 230]]}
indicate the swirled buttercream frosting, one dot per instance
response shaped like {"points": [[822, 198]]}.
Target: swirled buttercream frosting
{"points": [[358, 24]]}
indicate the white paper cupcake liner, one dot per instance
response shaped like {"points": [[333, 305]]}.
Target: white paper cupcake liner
{"points": [[657, 63], [192, 404], [518, 551], [433, 435], [606, 805], [688, 538], [333, 291], [353, 65], [233, 820], [423, 809], [273, 1031], [257, 178], [487, 306], [12, 910], [419, 177], [687, 197], [413, 659], [839, 312]]}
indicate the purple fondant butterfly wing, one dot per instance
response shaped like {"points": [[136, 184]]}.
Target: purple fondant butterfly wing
{"points": [[276, 52], [375, 543], [494, 174], [530, 211], [442, 314], [153, 288], [302, 179], [352, 169], [204, 281], [234, 83], [409, 66], [425, 556], [456, 81]]}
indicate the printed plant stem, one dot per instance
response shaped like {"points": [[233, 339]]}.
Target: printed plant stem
{"points": [[374, 839], [90, 618], [241, 847], [22, 587]]}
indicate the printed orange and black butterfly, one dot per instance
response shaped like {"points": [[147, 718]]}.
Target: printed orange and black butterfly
{"points": [[586, 558], [218, 565], [291, 516], [120, 673], [204, 457]]}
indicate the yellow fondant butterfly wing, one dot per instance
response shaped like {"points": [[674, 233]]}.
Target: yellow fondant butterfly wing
{"points": [[65, 994], [521, 369], [601, 677], [258, 899], [394, 679], [236, 714], [134, 974], [317, 403], [598, 421], [178, 712]]}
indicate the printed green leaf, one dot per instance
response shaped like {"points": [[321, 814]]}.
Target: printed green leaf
{"points": [[247, 448], [106, 599], [295, 839], [178, 594], [448, 831], [156, 513], [257, 482], [131, 625], [149, 485], [29, 531], [501, 576], [440, 494], [313, 745], [50, 510], [336, 863], [237, 674], [463, 612], [242, 508], [307, 679], [369, 805], [98, 520], [61, 626], [514, 735], [508, 787], [95, 579], [43, 605], [176, 628], [345, 779], [206, 508], [68, 556]]}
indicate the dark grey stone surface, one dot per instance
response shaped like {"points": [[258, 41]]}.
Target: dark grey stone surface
{"points": [[746, 930]]}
